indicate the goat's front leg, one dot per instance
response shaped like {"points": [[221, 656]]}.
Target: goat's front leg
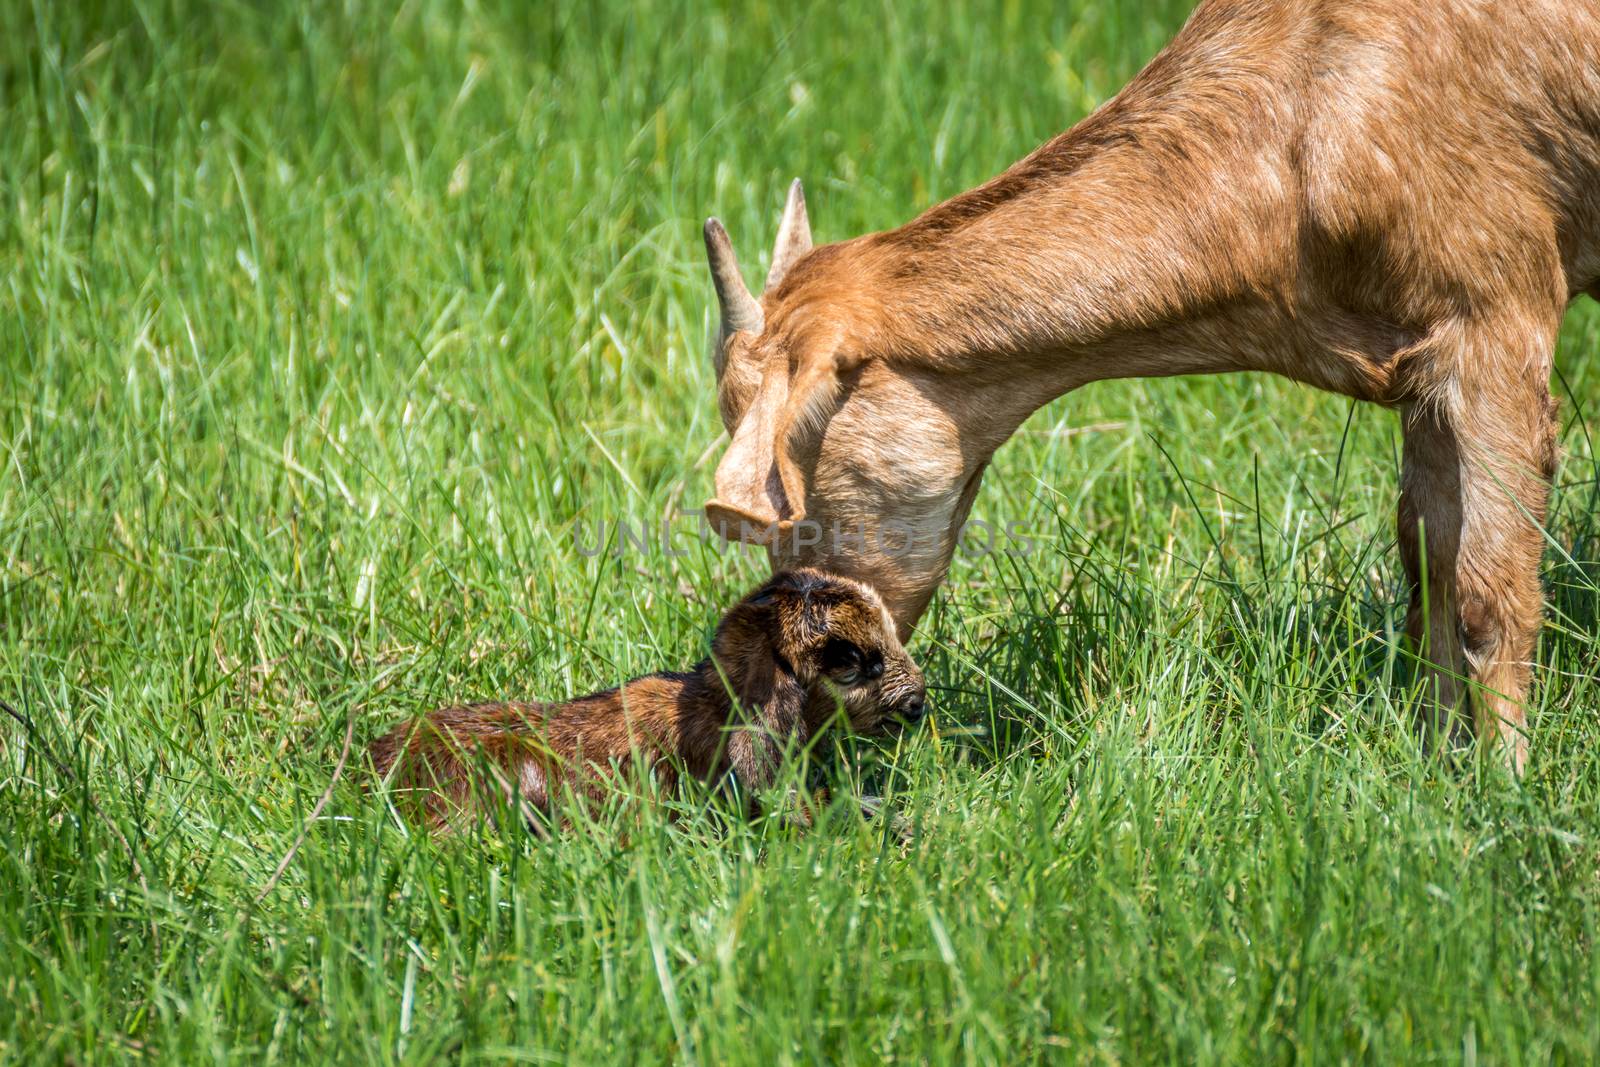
{"points": [[1474, 483]]}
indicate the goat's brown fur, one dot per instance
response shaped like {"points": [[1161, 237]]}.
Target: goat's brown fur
{"points": [[1390, 199], [785, 660]]}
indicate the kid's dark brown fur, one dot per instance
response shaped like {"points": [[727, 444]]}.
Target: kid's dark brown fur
{"points": [[784, 661]]}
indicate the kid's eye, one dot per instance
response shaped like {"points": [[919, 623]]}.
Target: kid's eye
{"points": [[848, 665]]}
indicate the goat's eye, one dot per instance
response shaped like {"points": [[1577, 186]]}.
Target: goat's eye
{"points": [[846, 664]]}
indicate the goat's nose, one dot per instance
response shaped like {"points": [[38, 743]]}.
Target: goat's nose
{"points": [[915, 710]]}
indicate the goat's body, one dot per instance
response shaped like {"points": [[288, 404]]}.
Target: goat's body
{"points": [[1390, 199], [1320, 190], [458, 760]]}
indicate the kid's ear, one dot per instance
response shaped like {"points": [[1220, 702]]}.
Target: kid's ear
{"points": [[772, 703]]}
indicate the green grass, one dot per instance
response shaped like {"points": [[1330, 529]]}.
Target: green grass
{"points": [[326, 328]]}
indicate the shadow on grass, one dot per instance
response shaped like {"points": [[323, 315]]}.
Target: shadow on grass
{"points": [[1323, 648]]}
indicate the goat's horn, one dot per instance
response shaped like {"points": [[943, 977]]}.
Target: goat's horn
{"points": [[739, 309], [794, 235]]}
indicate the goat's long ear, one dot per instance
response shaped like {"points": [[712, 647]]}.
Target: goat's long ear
{"points": [[750, 497], [761, 489], [771, 700], [773, 722]]}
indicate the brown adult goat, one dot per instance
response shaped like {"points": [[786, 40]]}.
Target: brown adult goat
{"points": [[1390, 199]]}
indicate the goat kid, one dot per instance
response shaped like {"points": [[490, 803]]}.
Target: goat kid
{"points": [[785, 660]]}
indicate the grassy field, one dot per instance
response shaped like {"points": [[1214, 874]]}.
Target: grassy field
{"points": [[329, 332]]}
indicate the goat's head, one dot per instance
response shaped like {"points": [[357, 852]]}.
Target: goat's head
{"points": [[842, 457], [806, 644]]}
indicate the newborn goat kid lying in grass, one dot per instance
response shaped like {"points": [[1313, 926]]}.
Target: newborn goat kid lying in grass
{"points": [[784, 661]]}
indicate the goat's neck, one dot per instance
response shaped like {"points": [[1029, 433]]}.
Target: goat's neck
{"points": [[1081, 263]]}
